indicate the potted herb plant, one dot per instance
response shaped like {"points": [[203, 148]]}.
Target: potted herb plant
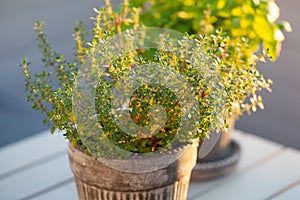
{"points": [[253, 21], [132, 104]]}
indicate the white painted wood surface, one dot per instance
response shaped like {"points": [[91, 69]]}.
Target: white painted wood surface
{"points": [[259, 182], [290, 194], [37, 168], [254, 150], [32, 150], [67, 192]]}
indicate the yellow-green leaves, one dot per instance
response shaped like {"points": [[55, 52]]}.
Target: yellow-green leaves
{"points": [[269, 34], [273, 49], [263, 28], [253, 19], [221, 4]]}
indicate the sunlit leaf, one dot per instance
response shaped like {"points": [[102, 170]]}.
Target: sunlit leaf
{"points": [[263, 28]]}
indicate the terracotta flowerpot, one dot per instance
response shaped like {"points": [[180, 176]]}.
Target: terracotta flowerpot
{"points": [[220, 160], [96, 181]]}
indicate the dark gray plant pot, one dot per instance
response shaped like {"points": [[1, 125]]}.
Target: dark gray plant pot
{"points": [[96, 181], [221, 160]]}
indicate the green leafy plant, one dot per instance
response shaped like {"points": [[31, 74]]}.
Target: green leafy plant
{"points": [[244, 25], [252, 19], [212, 57]]}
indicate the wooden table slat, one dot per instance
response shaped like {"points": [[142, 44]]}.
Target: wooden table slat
{"points": [[260, 182], [291, 194], [36, 179], [67, 191], [30, 150], [254, 149]]}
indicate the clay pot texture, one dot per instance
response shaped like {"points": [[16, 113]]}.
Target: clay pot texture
{"points": [[96, 181]]}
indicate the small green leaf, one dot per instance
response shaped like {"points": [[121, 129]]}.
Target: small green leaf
{"points": [[273, 49], [221, 4], [74, 142], [263, 28], [52, 130]]}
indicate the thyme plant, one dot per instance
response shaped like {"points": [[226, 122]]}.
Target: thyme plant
{"points": [[213, 57]]}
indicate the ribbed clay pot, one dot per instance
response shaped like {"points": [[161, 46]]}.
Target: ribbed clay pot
{"points": [[96, 181]]}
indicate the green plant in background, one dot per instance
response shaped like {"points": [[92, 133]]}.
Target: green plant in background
{"points": [[252, 19], [55, 100], [244, 26]]}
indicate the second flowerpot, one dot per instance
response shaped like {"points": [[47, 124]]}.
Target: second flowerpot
{"points": [[222, 158]]}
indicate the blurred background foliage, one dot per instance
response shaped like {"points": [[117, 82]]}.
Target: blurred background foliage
{"points": [[255, 20]]}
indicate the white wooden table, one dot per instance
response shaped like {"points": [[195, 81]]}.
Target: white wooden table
{"points": [[37, 168]]}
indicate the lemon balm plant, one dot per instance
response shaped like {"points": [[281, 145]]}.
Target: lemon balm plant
{"points": [[256, 20], [136, 90]]}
